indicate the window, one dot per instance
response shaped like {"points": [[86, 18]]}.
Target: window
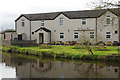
{"points": [[75, 35], [23, 22], [108, 20], [42, 23], [116, 32], [83, 21], [116, 70], [32, 32], [91, 35], [108, 35], [61, 35], [61, 21]]}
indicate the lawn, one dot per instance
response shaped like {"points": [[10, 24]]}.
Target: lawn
{"points": [[67, 52], [71, 50]]}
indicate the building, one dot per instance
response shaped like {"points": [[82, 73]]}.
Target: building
{"points": [[8, 34], [88, 25]]}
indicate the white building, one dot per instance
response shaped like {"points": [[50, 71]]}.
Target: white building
{"points": [[91, 25]]}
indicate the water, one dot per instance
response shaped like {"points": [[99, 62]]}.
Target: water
{"points": [[17, 66]]}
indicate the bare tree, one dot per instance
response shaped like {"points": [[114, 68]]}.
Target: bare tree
{"points": [[104, 4], [84, 39]]}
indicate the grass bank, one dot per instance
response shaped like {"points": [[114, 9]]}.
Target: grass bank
{"points": [[67, 52]]}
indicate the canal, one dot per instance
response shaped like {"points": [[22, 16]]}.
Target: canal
{"points": [[21, 66]]}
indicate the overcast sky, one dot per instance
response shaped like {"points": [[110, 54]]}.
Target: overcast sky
{"points": [[11, 9]]}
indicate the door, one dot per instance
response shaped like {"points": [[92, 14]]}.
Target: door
{"points": [[19, 37], [41, 38]]}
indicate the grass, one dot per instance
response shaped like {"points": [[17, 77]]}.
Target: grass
{"points": [[71, 50], [65, 52]]}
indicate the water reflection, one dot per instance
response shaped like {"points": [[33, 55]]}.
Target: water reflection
{"points": [[32, 68]]}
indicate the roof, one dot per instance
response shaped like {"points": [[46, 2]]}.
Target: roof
{"points": [[8, 30], [70, 14], [42, 28]]}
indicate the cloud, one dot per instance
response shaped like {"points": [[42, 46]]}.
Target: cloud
{"points": [[11, 9]]}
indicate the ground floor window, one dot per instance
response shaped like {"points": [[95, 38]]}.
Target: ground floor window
{"points": [[61, 35], [75, 35], [92, 35], [108, 35]]}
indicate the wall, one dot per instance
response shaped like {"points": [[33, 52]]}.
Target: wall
{"points": [[23, 29], [69, 24], [101, 34]]}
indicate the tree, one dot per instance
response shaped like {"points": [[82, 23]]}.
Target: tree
{"points": [[104, 4], [84, 39]]}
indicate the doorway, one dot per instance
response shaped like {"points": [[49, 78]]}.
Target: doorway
{"points": [[19, 37], [41, 38]]}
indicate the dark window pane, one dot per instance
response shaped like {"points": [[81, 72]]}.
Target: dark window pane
{"points": [[116, 32]]}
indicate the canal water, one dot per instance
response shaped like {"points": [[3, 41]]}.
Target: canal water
{"points": [[20, 66]]}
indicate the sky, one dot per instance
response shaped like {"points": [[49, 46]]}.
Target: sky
{"points": [[11, 9]]}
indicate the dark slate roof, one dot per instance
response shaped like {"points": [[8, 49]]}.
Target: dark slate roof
{"points": [[8, 30], [70, 14], [42, 28]]}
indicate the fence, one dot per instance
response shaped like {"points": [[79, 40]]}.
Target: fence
{"points": [[23, 43]]}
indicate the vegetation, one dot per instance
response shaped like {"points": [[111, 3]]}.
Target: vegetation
{"points": [[67, 52], [104, 4]]}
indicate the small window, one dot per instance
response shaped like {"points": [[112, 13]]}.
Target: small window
{"points": [[42, 23], [116, 32], [108, 20], [108, 35], [61, 21], [92, 35], [75, 35], [83, 21], [116, 70], [23, 22], [32, 32], [61, 35]]}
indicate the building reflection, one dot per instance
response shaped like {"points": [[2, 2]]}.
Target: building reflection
{"points": [[31, 68]]}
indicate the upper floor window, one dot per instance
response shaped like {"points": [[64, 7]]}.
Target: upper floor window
{"points": [[61, 21], [23, 22], [108, 35], [42, 23], [61, 35], [75, 35], [108, 20], [91, 35], [83, 21]]}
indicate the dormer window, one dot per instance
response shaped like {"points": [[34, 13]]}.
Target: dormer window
{"points": [[23, 22], [61, 21], [42, 23], [83, 21], [108, 20]]}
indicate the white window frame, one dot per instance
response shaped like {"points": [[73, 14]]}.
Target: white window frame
{"points": [[23, 23], [108, 34], [42, 23], [107, 18], [61, 21], [76, 35], [93, 34], [62, 35], [84, 20]]}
